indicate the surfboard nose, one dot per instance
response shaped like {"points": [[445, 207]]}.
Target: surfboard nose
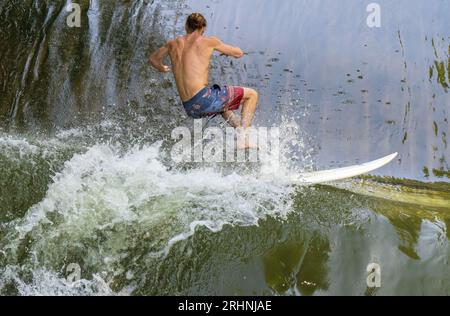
{"points": [[343, 173], [393, 156]]}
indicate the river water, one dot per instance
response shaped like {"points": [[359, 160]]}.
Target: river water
{"points": [[88, 188]]}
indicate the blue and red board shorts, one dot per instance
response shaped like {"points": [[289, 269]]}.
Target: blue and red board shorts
{"points": [[214, 100]]}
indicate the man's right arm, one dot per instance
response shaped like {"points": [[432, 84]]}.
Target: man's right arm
{"points": [[225, 49], [156, 59]]}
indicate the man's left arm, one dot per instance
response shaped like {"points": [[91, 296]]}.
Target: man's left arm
{"points": [[156, 59], [225, 49]]}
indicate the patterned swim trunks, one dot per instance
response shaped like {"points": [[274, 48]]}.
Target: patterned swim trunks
{"points": [[214, 100]]}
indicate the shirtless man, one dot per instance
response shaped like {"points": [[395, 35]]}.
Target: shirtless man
{"points": [[190, 56]]}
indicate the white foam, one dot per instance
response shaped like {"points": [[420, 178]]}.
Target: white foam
{"points": [[70, 133], [108, 192], [48, 283], [105, 191], [20, 145], [103, 179]]}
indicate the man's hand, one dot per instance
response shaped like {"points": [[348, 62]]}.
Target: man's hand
{"points": [[240, 53], [237, 55], [160, 67], [165, 68]]}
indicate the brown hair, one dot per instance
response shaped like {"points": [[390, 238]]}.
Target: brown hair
{"points": [[195, 22]]}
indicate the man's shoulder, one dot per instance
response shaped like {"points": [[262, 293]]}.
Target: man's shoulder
{"points": [[212, 40], [209, 40], [173, 42]]}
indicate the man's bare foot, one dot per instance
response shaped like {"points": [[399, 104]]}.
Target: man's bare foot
{"points": [[244, 140], [243, 146]]}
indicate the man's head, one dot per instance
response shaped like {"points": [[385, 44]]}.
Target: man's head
{"points": [[196, 22]]}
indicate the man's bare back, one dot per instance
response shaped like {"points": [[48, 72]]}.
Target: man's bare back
{"points": [[190, 56]]}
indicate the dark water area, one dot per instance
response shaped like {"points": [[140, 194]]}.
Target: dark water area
{"points": [[57, 76], [85, 129]]}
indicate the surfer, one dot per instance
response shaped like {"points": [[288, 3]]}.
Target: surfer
{"points": [[190, 55]]}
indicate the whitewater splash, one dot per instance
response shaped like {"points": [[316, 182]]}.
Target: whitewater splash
{"points": [[102, 187], [107, 204]]}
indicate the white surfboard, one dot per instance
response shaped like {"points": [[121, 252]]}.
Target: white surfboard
{"points": [[342, 173]]}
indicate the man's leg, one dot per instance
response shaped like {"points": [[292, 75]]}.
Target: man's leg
{"points": [[250, 101]]}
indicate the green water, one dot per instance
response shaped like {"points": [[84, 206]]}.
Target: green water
{"points": [[134, 226]]}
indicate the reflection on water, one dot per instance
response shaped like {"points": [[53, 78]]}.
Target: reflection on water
{"points": [[441, 67], [298, 266], [331, 254]]}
